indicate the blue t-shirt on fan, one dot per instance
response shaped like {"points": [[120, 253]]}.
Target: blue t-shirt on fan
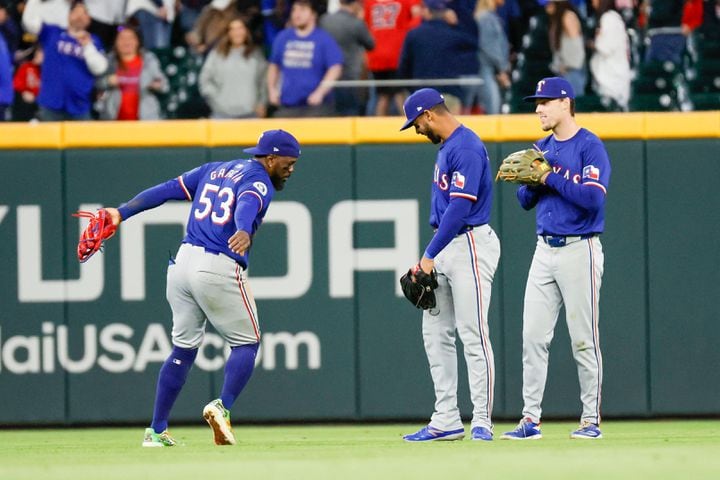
{"points": [[303, 62]]}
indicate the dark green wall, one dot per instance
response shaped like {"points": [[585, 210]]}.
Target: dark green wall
{"points": [[658, 299]]}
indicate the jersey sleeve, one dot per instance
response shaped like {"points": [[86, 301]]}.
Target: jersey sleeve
{"points": [[451, 223], [152, 197], [246, 211], [596, 167], [467, 170]]}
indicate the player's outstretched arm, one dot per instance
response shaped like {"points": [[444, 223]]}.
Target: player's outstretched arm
{"points": [[153, 197]]}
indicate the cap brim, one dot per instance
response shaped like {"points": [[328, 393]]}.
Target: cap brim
{"points": [[407, 124], [534, 97], [545, 97], [254, 151]]}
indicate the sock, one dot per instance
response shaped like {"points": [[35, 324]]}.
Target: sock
{"points": [[171, 379], [238, 369]]}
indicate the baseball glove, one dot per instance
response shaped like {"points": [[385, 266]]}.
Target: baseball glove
{"points": [[525, 167], [99, 229], [419, 287]]}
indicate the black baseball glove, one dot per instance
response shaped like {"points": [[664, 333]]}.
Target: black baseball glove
{"points": [[419, 287]]}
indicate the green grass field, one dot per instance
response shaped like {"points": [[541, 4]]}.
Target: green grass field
{"points": [[630, 450]]}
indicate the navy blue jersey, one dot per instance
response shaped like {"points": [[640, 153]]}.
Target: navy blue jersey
{"points": [[215, 190], [462, 169], [573, 200]]}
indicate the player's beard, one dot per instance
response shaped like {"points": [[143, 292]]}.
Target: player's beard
{"points": [[433, 137], [278, 183]]}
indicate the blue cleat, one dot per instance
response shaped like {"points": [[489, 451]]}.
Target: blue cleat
{"points": [[429, 434], [526, 430], [482, 433], [587, 430]]}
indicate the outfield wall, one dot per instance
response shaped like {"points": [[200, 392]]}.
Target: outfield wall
{"points": [[81, 344]]}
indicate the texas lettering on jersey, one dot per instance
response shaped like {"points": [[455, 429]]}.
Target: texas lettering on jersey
{"points": [[440, 179], [567, 174]]}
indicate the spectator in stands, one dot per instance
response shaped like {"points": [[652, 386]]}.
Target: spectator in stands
{"points": [[211, 25], [388, 22], [232, 80], [667, 42], [106, 17], [350, 31], [581, 8], [567, 44], [6, 79], [610, 63], [494, 56], [692, 16], [73, 57], [9, 29], [249, 12], [27, 86], [155, 18], [275, 14], [436, 49], [514, 20], [461, 15], [188, 13], [134, 78], [304, 59]]}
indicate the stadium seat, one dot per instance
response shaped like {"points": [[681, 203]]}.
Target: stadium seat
{"points": [[182, 69], [705, 101], [654, 103], [595, 103]]}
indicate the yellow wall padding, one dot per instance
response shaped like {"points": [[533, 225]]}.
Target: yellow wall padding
{"points": [[341, 130]]}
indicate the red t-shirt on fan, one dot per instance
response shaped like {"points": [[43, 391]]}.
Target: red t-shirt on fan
{"points": [[129, 85], [389, 22]]}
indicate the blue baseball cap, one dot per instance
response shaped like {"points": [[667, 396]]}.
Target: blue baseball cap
{"points": [[276, 142], [418, 102], [552, 87]]}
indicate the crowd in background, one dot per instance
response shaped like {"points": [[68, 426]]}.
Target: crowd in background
{"points": [[75, 60]]}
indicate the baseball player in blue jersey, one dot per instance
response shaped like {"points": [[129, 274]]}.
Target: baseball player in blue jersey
{"points": [[567, 266], [207, 281], [464, 252]]}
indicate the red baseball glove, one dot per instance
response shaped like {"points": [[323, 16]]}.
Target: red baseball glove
{"points": [[98, 230]]}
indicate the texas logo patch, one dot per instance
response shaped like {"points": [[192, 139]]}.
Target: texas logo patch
{"points": [[458, 180], [591, 172]]}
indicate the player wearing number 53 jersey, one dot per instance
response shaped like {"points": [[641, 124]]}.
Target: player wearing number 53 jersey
{"points": [[465, 252], [207, 280], [567, 266]]}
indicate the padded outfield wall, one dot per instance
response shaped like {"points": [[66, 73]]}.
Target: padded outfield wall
{"points": [[83, 344]]}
